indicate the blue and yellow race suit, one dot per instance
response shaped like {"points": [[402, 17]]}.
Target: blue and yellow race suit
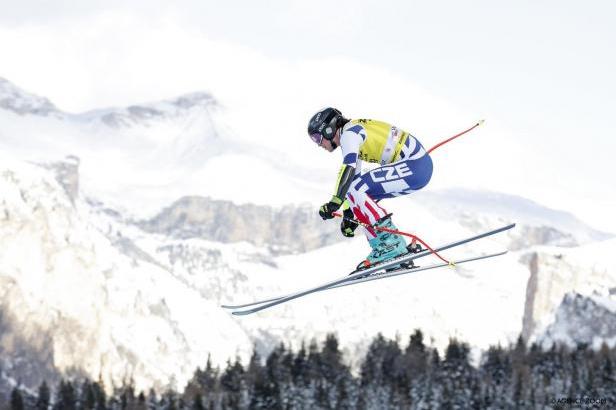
{"points": [[405, 166]]}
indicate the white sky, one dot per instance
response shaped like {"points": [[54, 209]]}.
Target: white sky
{"points": [[540, 72]]}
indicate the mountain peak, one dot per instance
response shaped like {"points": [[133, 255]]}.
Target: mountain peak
{"points": [[191, 100], [13, 98], [144, 114]]}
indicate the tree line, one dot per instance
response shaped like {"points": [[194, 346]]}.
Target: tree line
{"points": [[410, 375]]}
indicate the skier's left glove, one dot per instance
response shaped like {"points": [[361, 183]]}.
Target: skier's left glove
{"points": [[327, 210], [348, 226]]}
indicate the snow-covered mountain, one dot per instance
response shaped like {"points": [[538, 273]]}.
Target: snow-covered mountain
{"points": [[583, 320], [80, 301], [540, 225], [556, 272], [20, 102], [123, 230], [152, 154]]}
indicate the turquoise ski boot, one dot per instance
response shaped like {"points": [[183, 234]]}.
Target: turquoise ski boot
{"points": [[386, 245]]}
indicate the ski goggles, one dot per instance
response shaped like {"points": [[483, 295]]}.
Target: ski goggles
{"points": [[317, 138]]}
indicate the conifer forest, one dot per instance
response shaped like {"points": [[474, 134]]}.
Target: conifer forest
{"points": [[393, 374]]}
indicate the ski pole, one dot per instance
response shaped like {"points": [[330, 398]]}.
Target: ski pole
{"points": [[455, 136], [410, 235]]}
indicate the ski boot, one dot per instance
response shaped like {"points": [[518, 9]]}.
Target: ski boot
{"points": [[413, 247], [385, 246]]}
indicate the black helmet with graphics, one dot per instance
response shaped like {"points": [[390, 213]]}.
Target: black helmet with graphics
{"points": [[324, 124]]}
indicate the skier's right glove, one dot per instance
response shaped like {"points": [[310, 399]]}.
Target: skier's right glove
{"points": [[327, 210], [347, 226]]}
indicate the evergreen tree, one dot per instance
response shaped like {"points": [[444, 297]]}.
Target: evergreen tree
{"points": [[457, 375], [270, 391], [521, 374], [197, 403], [415, 365], [207, 384], [208, 378], [126, 395], [99, 395], [233, 385], [606, 374], [334, 375], [416, 355], [380, 361], [43, 397], [313, 364], [17, 401], [383, 373], [494, 366], [168, 401], [152, 400], [331, 359], [435, 359], [141, 402], [66, 398], [299, 367], [475, 395], [254, 372], [88, 398]]}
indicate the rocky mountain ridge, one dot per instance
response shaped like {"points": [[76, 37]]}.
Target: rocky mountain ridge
{"points": [[149, 114], [20, 102]]}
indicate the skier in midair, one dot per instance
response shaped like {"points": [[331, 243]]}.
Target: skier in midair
{"points": [[405, 167]]}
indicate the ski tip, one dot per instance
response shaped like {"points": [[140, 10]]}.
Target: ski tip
{"points": [[241, 312], [481, 122]]}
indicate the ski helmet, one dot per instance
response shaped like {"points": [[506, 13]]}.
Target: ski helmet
{"points": [[323, 124]]}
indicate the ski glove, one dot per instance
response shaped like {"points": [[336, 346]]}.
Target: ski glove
{"points": [[346, 226], [327, 210]]}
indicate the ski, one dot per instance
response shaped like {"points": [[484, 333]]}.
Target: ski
{"points": [[355, 276], [377, 276], [413, 270]]}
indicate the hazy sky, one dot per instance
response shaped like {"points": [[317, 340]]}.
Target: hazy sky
{"points": [[540, 72]]}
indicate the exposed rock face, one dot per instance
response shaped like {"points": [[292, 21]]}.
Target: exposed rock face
{"points": [[67, 175], [43, 242], [587, 320], [29, 360], [527, 236], [288, 230], [74, 301], [528, 321], [553, 274]]}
